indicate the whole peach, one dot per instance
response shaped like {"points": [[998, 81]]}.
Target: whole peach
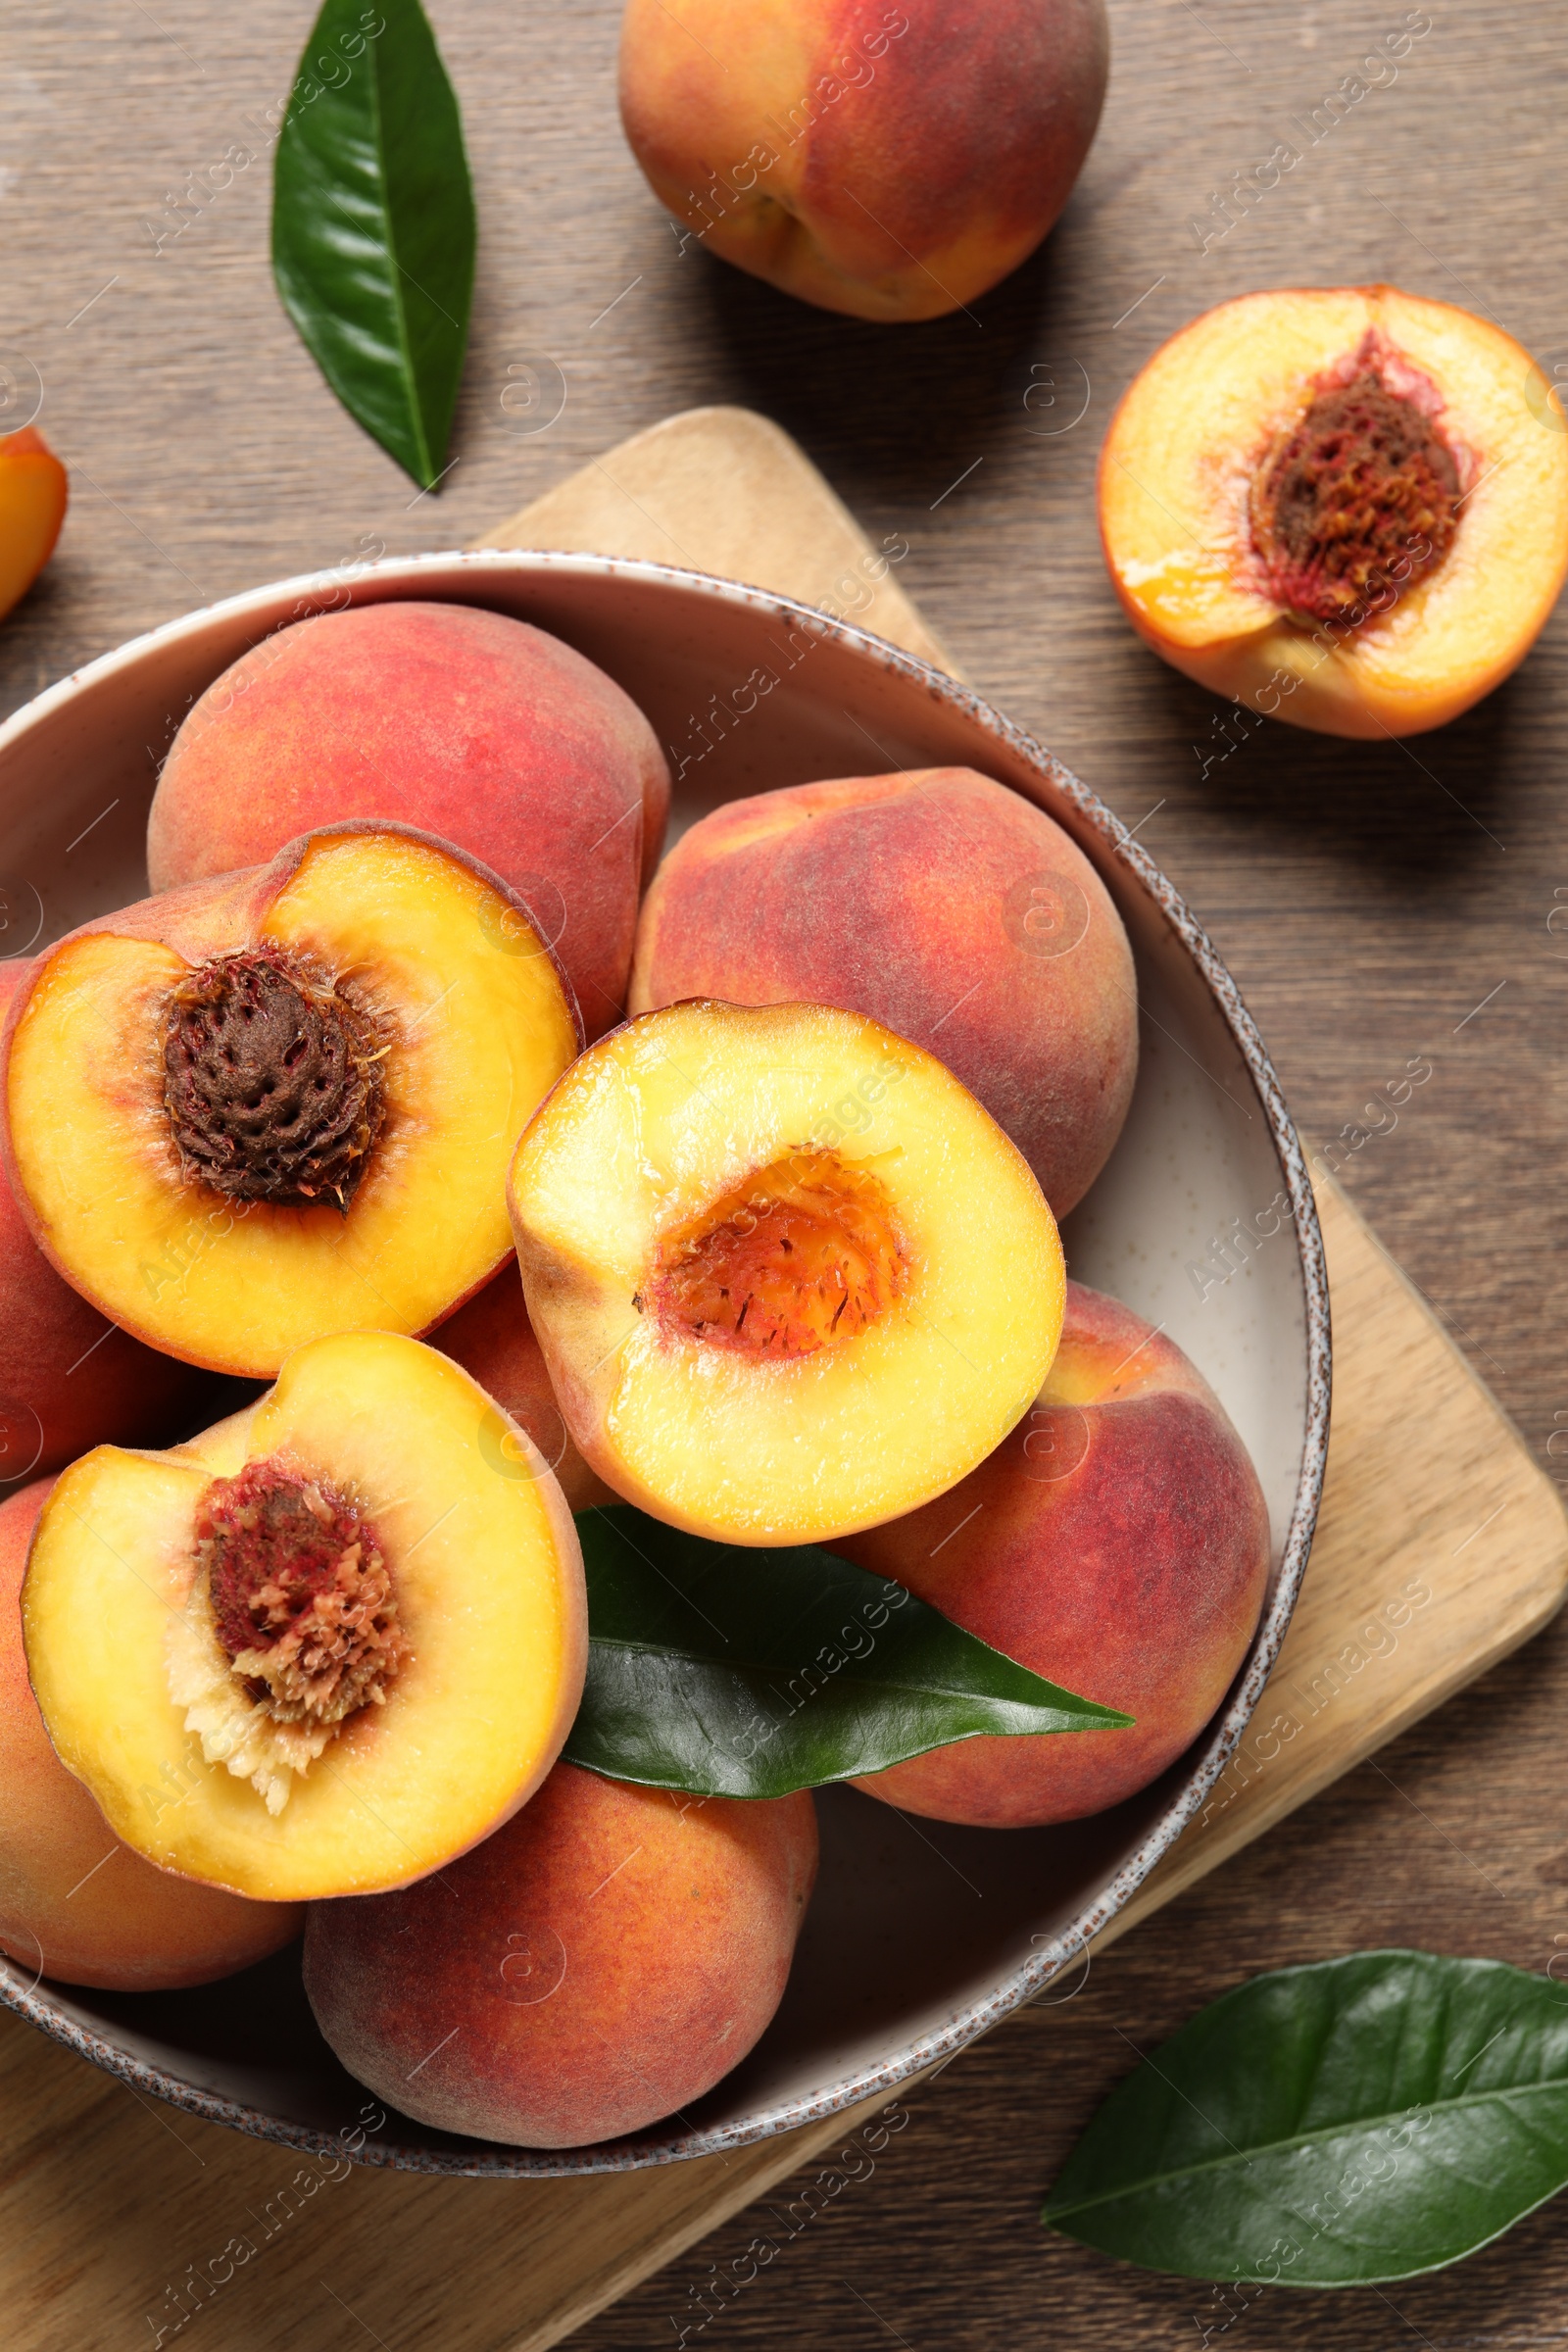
{"points": [[74, 1903], [474, 727], [68, 1378], [494, 1342], [938, 902], [598, 1963], [1117, 1543], [888, 160]]}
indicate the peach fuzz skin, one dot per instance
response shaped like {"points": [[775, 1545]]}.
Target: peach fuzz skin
{"points": [[32, 507], [69, 1379], [74, 1903], [477, 729], [1117, 1543], [944, 906], [598, 1963], [887, 161], [494, 1342]]}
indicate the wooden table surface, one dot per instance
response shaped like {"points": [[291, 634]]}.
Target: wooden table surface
{"points": [[1374, 903]]}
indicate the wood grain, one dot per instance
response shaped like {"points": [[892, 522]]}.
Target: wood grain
{"points": [[1359, 1663], [1374, 903]]}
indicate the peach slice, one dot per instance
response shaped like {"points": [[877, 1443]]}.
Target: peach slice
{"points": [[949, 873], [1344, 506], [325, 1646], [597, 1964], [76, 1904], [479, 728], [282, 1103], [1118, 1541], [788, 1278], [32, 507]]}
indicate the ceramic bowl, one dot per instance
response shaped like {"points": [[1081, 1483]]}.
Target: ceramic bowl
{"points": [[921, 1935]]}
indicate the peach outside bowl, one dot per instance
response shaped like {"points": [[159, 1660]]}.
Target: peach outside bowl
{"points": [[916, 1940]]}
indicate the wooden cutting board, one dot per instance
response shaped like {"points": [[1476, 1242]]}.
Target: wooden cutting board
{"points": [[1441, 1547]]}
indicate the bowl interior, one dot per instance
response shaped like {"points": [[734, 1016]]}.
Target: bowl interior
{"points": [[919, 1933]]}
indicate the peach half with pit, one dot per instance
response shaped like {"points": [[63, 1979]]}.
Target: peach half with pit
{"points": [[34, 493], [789, 1277], [283, 1103], [602, 1961], [76, 1904], [938, 902], [325, 1646], [1344, 505], [475, 727], [1118, 1542]]}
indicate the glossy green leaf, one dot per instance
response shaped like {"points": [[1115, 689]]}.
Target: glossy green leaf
{"points": [[734, 1672], [374, 226], [1340, 2124]]}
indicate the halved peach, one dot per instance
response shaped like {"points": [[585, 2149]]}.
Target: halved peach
{"points": [[1344, 506], [283, 1103], [787, 1276], [33, 492], [76, 1904], [325, 1646]]}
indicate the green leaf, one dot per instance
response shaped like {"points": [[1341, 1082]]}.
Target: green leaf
{"points": [[374, 226], [734, 1672], [1340, 2124]]}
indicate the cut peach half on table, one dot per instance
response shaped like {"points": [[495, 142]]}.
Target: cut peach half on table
{"points": [[283, 1103], [33, 492], [1346, 507], [323, 1648], [790, 1279]]}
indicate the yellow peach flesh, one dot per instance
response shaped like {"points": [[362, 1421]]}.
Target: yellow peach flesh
{"points": [[488, 1581], [481, 1030], [652, 1131], [1176, 473]]}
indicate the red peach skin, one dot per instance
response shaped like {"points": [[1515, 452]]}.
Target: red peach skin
{"points": [[939, 902], [1117, 1543], [479, 729], [68, 1378], [892, 162], [599, 1963], [74, 1903], [494, 1342]]}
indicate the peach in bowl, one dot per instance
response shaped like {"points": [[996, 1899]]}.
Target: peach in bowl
{"points": [[890, 1971]]}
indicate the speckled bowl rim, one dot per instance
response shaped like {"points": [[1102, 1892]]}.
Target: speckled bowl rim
{"points": [[661, 2146]]}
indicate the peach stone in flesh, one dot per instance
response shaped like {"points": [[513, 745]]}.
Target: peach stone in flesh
{"points": [[1344, 505], [324, 1646], [300, 1087]]}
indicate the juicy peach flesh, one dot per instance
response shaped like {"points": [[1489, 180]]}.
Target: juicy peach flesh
{"points": [[1346, 506], [407, 1019], [76, 1904], [870, 1174], [413, 1622], [802, 1253], [32, 507]]}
